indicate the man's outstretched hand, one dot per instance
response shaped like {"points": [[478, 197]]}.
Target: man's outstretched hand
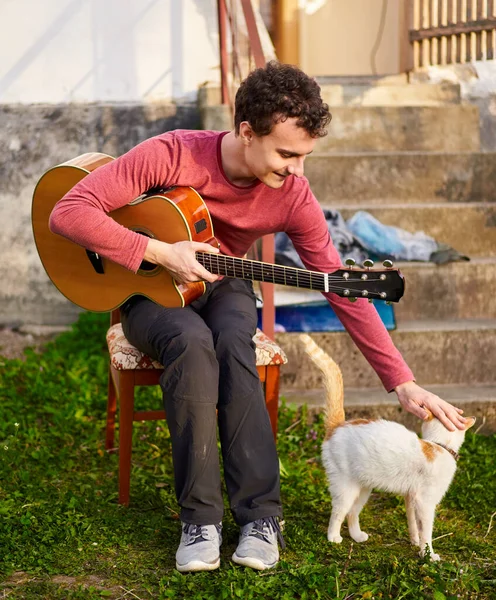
{"points": [[415, 399]]}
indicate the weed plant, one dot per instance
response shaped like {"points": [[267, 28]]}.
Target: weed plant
{"points": [[64, 536]]}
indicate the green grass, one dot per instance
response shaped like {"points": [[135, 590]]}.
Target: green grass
{"points": [[63, 535]]}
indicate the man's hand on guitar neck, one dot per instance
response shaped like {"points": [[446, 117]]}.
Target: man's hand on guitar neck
{"points": [[180, 260]]}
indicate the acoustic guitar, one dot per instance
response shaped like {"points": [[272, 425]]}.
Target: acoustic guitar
{"points": [[170, 215]]}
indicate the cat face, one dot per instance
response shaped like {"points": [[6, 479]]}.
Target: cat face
{"points": [[434, 430]]}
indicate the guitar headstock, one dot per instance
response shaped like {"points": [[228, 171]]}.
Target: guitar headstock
{"points": [[353, 282]]}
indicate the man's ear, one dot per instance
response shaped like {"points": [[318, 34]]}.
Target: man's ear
{"points": [[245, 132]]}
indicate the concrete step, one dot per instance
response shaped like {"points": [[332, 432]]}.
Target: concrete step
{"points": [[392, 94], [437, 351], [400, 177], [470, 228], [451, 128], [370, 80], [476, 400], [393, 90], [457, 290]]}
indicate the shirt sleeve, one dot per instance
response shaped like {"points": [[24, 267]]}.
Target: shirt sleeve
{"points": [[308, 231], [82, 214]]}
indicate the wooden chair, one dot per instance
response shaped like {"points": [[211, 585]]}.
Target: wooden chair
{"points": [[130, 368]]}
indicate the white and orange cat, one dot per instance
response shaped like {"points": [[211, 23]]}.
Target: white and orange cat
{"points": [[361, 454]]}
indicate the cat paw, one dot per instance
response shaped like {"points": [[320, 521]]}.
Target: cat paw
{"points": [[432, 555], [336, 539], [415, 541], [361, 536]]}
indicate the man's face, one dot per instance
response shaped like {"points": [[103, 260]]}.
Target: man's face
{"points": [[271, 158]]}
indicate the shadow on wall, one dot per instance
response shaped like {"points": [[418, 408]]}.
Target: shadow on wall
{"points": [[33, 52]]}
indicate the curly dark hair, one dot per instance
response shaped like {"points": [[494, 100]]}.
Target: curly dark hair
{"points": [[277, 92]]}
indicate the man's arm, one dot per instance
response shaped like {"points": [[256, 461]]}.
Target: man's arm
{"points": [[82, 214], [310, 236]]}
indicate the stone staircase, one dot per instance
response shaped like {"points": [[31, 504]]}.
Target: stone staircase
{"points": [[410, 155]]}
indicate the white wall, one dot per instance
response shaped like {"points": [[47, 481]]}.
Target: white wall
{"points": [[57, 51]]}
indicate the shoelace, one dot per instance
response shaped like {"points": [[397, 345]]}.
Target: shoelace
{"points": [[198, 533], [263, 528]]}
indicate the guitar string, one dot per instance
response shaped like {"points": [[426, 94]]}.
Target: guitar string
{"points": [[280, 275], [277, 270]]}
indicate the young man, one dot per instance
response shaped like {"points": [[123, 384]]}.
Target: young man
{"points": [[252, 182]]}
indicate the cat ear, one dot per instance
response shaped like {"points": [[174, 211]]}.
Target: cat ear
{"points": [[429, 416], [470, 423]]}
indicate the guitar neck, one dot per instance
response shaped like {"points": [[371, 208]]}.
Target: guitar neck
{"points": [[348, 282], [242, 268]]}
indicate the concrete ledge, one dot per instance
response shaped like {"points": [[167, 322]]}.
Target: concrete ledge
{"points": [[402, 177], [392, 94], [459, 290], [451, 128], [476, 401], [456, 352]]}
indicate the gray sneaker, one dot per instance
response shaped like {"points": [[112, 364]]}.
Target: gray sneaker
{"points": [[199, 548], [257, 546]]}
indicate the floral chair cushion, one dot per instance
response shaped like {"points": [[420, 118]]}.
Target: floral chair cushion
{"points": [[125, 356]]}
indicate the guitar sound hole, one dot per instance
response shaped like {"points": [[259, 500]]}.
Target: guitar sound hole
{"points": [[146, 267]]}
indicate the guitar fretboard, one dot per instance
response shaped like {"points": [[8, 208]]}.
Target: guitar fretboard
{"points": [[243, 268]]}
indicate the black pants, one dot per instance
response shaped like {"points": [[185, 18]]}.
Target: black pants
{"points": [[209, 364]]}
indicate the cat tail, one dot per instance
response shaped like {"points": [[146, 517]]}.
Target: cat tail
{"points": [[333, 381]]}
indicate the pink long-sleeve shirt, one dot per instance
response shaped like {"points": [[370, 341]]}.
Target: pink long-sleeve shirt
{"points": [[240, 215]]}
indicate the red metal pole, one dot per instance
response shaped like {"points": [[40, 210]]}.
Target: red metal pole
{"points": [[222, 18], [251, 24]]}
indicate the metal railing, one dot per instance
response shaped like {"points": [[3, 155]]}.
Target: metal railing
{"points": [[245, 53], [444, 32]]}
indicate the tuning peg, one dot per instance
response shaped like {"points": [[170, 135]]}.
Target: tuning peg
{"points": [[388, 264], [350, 262], [365, 293], [370, 300], [388, 302], [352, 299], [346, 292], [368, 263]]}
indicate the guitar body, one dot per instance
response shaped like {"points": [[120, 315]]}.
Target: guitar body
{"points": [[171, 216]]}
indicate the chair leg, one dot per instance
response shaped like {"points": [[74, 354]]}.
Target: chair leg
{"points": [[272, 395], [126, 412], [111, 410]]}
